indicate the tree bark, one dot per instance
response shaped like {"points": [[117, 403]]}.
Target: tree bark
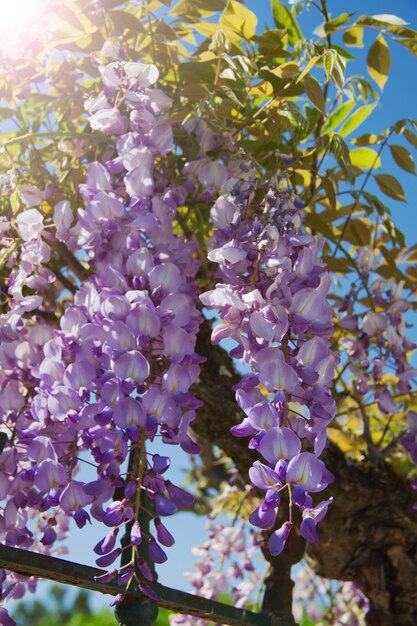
{"points": [[369, 535]]}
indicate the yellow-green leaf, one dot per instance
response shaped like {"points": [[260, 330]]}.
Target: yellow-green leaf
{"points": [[365, 158], [390, 186], [285, 70], [332, 25], [354, 37], [314, 93], [312, 62], [209, 29], [283, 18], [356, 119], [338, 116], [239, 18], [403, 158], [197, 8], [379, 61], [365, 140]]}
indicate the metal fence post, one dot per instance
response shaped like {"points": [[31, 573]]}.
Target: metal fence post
{"points": [[134, 611]]}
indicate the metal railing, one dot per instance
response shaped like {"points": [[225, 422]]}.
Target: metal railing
{"points": [[136, 609]]}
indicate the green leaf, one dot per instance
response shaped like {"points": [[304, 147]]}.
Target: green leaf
{"points": [[329, 59], [379, 61], [314, 93], [390, 186], [358, 232], [411, 137], [334, 67], [365, 158], [197, 8], [338, 116], [403, 158], [354, 37], [332, 25], [123, 20], [339, 149], [328, 186], [283, 18], [356, 119]]}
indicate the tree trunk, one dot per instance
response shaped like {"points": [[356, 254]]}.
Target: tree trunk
{"points": [[370, 537]]}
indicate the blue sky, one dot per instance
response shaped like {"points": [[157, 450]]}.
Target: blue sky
{"points": [[399, 100]]}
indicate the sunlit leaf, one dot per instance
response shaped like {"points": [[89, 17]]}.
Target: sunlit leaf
{"points": [[379, 61], [390, 19], [197, 8], [262, 90], [312, 62], [390, 186], [332, 25], [239, 18], [395, 29], [338, 116], [283, 18], [209, 29], [285, 70], [335, 67], [410, 44], [354, 37], [365, 158], [356, 119], [367, 139], [347, 443]]}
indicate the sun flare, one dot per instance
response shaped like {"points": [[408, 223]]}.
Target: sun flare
{"points": [[17, 17]]}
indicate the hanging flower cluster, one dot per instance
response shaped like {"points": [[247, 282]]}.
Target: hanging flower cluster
{"points": [[117, 371], [272, 303], [326, 601], [227, 555], [376, 345]]}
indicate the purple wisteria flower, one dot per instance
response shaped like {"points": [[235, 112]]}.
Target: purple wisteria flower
{"points": [[117, 372], [271, 299]]}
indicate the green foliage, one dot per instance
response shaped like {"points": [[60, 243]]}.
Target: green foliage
{"points": [[61, 609]]}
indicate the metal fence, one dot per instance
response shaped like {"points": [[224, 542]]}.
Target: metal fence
{"points": [[136, 609]]}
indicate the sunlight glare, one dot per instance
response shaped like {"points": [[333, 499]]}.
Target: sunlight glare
{"points": [[17, 17]]}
